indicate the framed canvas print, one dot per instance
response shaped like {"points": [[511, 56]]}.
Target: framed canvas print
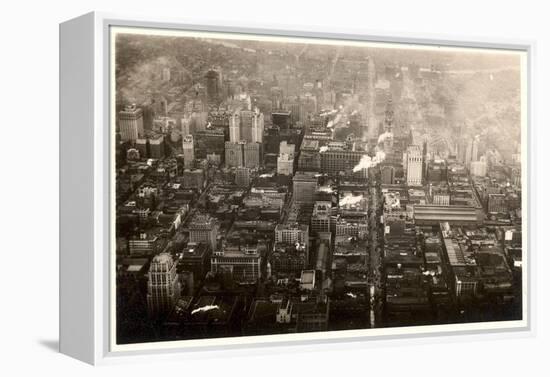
{"points": [[226, 187]]}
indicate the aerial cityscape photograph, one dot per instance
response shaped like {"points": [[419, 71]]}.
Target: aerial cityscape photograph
{"points": [[280, 185]]}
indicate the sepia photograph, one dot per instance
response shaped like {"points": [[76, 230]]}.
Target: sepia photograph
{"points": [[277, 185]]}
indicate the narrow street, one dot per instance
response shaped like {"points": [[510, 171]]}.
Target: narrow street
{"points": [[374, 277]]}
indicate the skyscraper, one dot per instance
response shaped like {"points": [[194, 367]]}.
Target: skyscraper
{"points": [[246, 125], [242, 177], [468, 150], [478, 168], [387, 174], [293, 233], [209, 141], [186, 126], [304, 185], [285, 160], [188, 151], [156, 146], [235, 128], [320, 218], [285, 164], [252, 153], [258, 128], [204, 228], [233, 154], [163, 288], [243, 154], [295, 110], [213, 87], [281, 118], [130, 123], [414, 165], [475, 149], [286, 148]]}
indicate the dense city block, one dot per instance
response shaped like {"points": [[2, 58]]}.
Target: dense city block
{"points": [[274, 188]]}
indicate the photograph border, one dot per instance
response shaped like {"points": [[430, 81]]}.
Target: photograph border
{"points": [[103, 183]]}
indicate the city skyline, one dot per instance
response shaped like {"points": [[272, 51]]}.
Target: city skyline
{"points": [[292, 185]]}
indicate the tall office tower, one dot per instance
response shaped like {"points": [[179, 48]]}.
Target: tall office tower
{"points": [[242, 177], [460, 150], [320, 219], [414, 165], [213, 87], [230, 88], [478, 168], [496, 203], [339, 159], [186, 126], [388, 119], [142, 145], [437, 171], [281, 118], [515, 175], [246, 125], [209, 141], [425, 158], [295, 110], [199, 121], [285, 160], [287, 148], [387, 174], [233, 155], [235, 128], [188, 151], [252, 153], [387, 144], [258, 127], [475, 149], [238, 262], [195, 106], [156, 146], [163, 287], [130, 123], [285, 164], [193, 179], [308, 106], [204, 228], [468, 150], [293, 233], [304, 186]]}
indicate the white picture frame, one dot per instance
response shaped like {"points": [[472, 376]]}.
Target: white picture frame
{"points": [[85, 196]]}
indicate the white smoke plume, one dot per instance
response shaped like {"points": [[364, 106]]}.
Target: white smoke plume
{"points": [[368, 161], [328, 112], [323, 149], [205, 308], [326, 189], [384, 136], [350, 200]]}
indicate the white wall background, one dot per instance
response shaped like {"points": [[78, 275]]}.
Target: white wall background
{"points": [[29, 185]]}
